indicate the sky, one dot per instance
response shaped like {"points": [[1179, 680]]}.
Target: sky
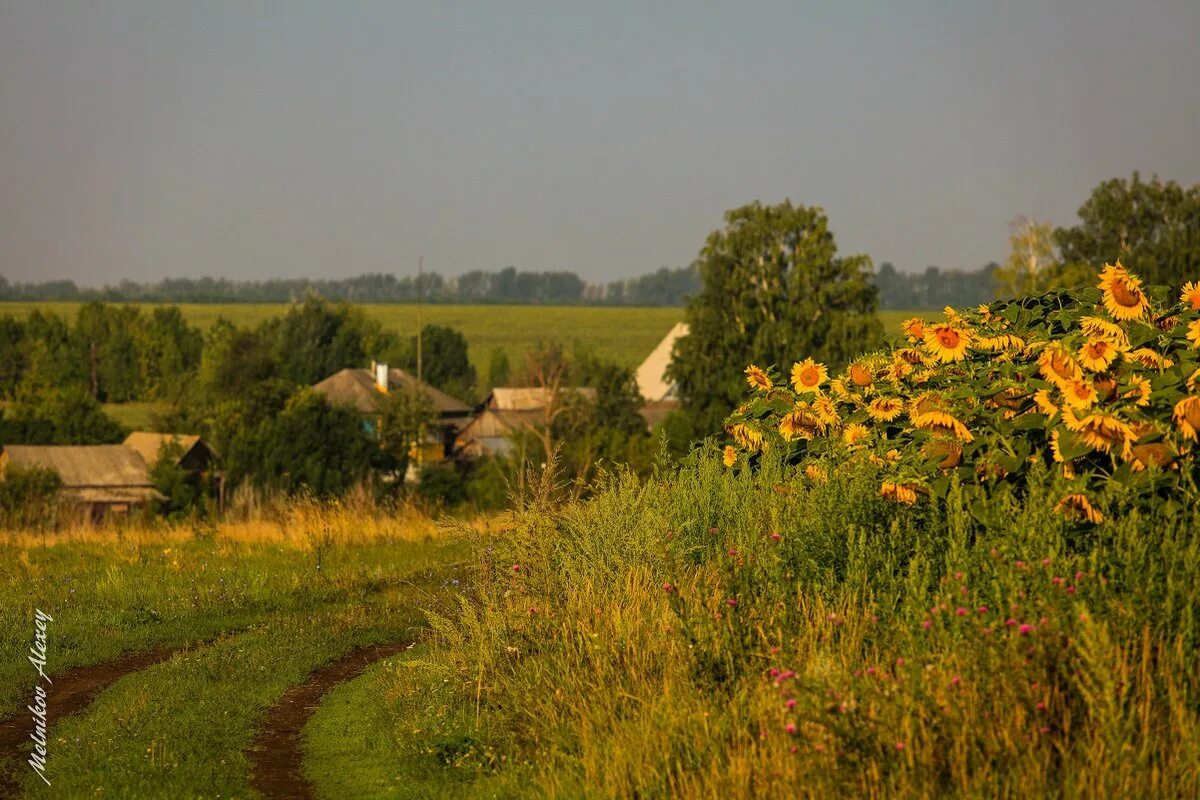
{"points": [[145, 140]]}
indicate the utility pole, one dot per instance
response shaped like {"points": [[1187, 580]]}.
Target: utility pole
{"points": [[420, 292]]}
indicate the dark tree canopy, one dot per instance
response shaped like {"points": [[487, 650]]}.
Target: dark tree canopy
{"points": [[1151, 226], [444, 361], [773, 290]]}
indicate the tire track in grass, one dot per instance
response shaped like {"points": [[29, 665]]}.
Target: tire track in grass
{"points": [[70, 693], [277, 754]]}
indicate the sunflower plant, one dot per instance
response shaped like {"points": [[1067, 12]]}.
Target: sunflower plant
{"points": [[1101, 384]]}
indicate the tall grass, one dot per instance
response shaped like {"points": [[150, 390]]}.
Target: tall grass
{"points": [[710, 633]]}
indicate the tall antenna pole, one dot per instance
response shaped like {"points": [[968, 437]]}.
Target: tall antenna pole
{"points": [[420, 292]]}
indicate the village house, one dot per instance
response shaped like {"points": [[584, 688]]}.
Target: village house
{"points": [[193, 454], [659, 393], [508, 411], [98, 479], [366, 390]]}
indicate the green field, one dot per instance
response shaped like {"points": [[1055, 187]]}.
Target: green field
{"points": [[624, 334]]}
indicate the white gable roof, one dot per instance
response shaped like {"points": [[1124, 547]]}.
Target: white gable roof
{"points": [[651, 377]]}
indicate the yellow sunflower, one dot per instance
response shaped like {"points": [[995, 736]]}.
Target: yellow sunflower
{"points": [[756, 378], [1077, 506], [1000, 343], [1123, 296], [1098, 355], [899, 492], [892, 455], [899, 370], [942, 422], [1099, 328], [1079, 394], [749, 438], [1150, 359], [855, 433], [808, 375], [816, 474], [1045, 404], [947, 342], [825, 410], [730, 456], [1057, 366], [838, 387], [1158, 454], [800, 423], [1187, 416], [860, 375], [885, 409], [1104, 432], [914, 328], [1193, 333], [1139, 391], [947, 452], [1193, 380], [1190, 295]]}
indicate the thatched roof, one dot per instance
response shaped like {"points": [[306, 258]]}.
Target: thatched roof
{"points": [[101, 473], [651, 375], [531, 398], [356, 388]]}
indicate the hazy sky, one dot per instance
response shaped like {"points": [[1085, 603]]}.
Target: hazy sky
{"points": [[300, 139]]}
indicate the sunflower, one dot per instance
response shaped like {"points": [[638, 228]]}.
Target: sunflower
{"points": [[910, 355], [1150, 359], [914, 328], [885, 409], [1079, 394], [1045, 405], [1077, 506], [1104, 432], [1139, 391], [800, 423], [1158, 454], [816, 474], [899, 492], [947, 342], [838, 387], [1187, 416], [1098, 328], [947, 452], [899, 370], [1057, 366], [1190, 295], [1098, 355], [749, 438], [825, 410], [1002, 342], [892, 455], [942, 422], [860, 375], [1193, 380], [855, 433], [1193, 333], [756, 378], [1123, 296], [729, 457], [808, 375]]}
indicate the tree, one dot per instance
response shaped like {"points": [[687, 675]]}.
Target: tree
{"points": [[1031, 258], [1151, 226], [404, 420], [444, 363], [57, 416], [773, 290], [499, 369]]}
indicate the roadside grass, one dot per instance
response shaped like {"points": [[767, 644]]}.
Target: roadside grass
{"points": [[711, 633]]}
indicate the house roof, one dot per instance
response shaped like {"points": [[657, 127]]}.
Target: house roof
{"points": [[98, 466], [356, 388], [651, 375], [149, 445], [530, 398], [655, 413]]}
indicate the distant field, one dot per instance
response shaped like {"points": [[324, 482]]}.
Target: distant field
{"points": [[625, 334]]}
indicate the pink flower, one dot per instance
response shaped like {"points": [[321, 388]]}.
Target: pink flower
{"points": [[532, 610], [667, 587], [1041, 706], [712, 530], [955, 681], [927, 624], [818, 748], [899, 662], [776, 536], [960, 611], [795, 749], [1025, 629], [516, 567], [1056, 580], [870, 670], [1019, 564], [774, 672], [731, 602], [773, 650], [1078, 575], [1070, 590], [791, 727], [1045, 562], [1010, 622], [1043, 730], [982, 609], [958, 576], [899, 745], [791, 703]]}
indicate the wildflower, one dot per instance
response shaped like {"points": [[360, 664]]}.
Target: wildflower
{"points": [[756, 378], [1010, 622], [947, 342], [731, 602], [733, 552], [712, 529], [532, 610], [790, 727], [729, 458], [791, 703], [776, 536], [960, 611], [885, 409], [668, 588], [808, 375], [1025, 629], [1190, 295], [899, 745], [981, 610], [955, 681], [1070, 590], [927, 624], [516, 567], [1122, 293]]}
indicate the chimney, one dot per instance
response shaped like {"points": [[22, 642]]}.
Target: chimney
{"points": [[381, 377]]}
